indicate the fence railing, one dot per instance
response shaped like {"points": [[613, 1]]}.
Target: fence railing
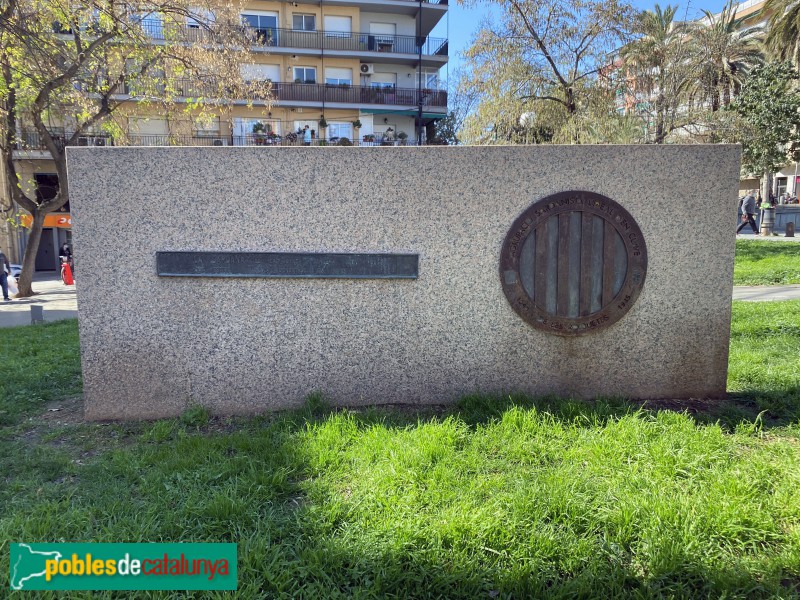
{"points": [[319, 39], [30, 140], [357, 42], [319, 93]]}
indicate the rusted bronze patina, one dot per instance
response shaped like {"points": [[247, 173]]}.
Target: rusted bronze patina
{"points": [[573, 263]]}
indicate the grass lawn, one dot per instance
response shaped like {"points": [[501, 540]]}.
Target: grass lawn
{"points": [[494, 498], [766, 263]]}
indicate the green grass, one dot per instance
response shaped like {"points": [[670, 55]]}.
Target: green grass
{"points": [[506, 498], [764, 361], [37, 364], [766, 263]]}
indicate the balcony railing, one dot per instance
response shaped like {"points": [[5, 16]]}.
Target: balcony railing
{"points": [[29, 140], [356, 42], [341, 93], [325, 40]]}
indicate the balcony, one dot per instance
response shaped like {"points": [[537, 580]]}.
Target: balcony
{"points": [[352, 94], [288, 93], [361, 43], [29, 140]]}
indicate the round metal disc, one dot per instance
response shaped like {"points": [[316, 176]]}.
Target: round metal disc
{"points": [[573, 263]]}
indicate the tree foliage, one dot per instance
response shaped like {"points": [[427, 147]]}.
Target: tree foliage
{"points": [[769, 111], [656, 71], [783, 37], [68, 66], [543, 57], [722, 52], [601, 72]]}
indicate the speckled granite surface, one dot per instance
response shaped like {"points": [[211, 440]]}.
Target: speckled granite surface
{"points": [[152, 346]]}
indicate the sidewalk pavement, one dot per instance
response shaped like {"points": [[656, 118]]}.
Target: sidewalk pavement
{"points": [[749, 235], [60, 302], [761, 293]]}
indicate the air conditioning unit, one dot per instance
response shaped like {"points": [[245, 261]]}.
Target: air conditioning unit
{"points": [[219, 142], [367, 68]]}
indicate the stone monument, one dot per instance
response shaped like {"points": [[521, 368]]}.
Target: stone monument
{"points": [[243, 279]]}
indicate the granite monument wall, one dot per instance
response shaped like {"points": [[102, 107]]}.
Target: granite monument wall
{"points": [[572, 270]]}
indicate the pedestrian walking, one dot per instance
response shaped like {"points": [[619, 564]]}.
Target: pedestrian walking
{"points": [[748, 212], [5, 272], [306, 136]]}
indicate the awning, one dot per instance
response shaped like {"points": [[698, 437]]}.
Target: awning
{"points": [[63, 220]]}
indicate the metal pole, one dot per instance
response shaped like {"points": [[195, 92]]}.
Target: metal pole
{"points": [[419, 79]]}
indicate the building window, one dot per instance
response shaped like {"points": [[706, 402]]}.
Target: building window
{"points": [[781, 184], [338, 26], [259, 132], [430, 79], [264, 26], [339, 80], [305, 75], [335, 76], [207, 128], [257, 72], [312, 125], [304, 22], [340, 130]]}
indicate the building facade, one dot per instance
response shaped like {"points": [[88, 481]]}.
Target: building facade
{"points": [[360, 72]]}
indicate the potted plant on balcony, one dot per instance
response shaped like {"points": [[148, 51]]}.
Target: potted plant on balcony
{"points": [[402, 136], [369, 137], [258, 133]]}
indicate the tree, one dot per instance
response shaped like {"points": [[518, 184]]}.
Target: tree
{"points": [[656, 69], [725, 53], [68, 66], [769, 112], [461, 101], [783, 37], [543, 57]]}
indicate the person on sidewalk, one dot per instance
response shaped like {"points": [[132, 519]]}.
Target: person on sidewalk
{"points": [[5, 272], [748, 212], [306, 136]]}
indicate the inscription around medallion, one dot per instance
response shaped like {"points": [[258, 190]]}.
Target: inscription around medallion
{"points": [[573, 263]]}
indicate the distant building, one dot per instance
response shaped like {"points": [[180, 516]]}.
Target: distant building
{"points": [[367, 62]]}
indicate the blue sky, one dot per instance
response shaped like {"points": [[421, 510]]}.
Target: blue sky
{"points": [[465, 22]]}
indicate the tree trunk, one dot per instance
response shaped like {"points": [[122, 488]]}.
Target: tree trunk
{"points": [[570, 105], [31, 249]]}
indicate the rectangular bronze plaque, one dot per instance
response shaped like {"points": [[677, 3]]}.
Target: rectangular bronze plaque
{"points": [[287, 264]]}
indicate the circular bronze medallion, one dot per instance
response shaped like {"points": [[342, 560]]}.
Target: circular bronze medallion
{"points": [[573, 263]]}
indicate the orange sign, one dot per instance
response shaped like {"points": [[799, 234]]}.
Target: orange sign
{"points": [[63, 220]]}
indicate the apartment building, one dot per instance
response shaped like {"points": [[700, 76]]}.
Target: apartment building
{"points": [[362, 72]]}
